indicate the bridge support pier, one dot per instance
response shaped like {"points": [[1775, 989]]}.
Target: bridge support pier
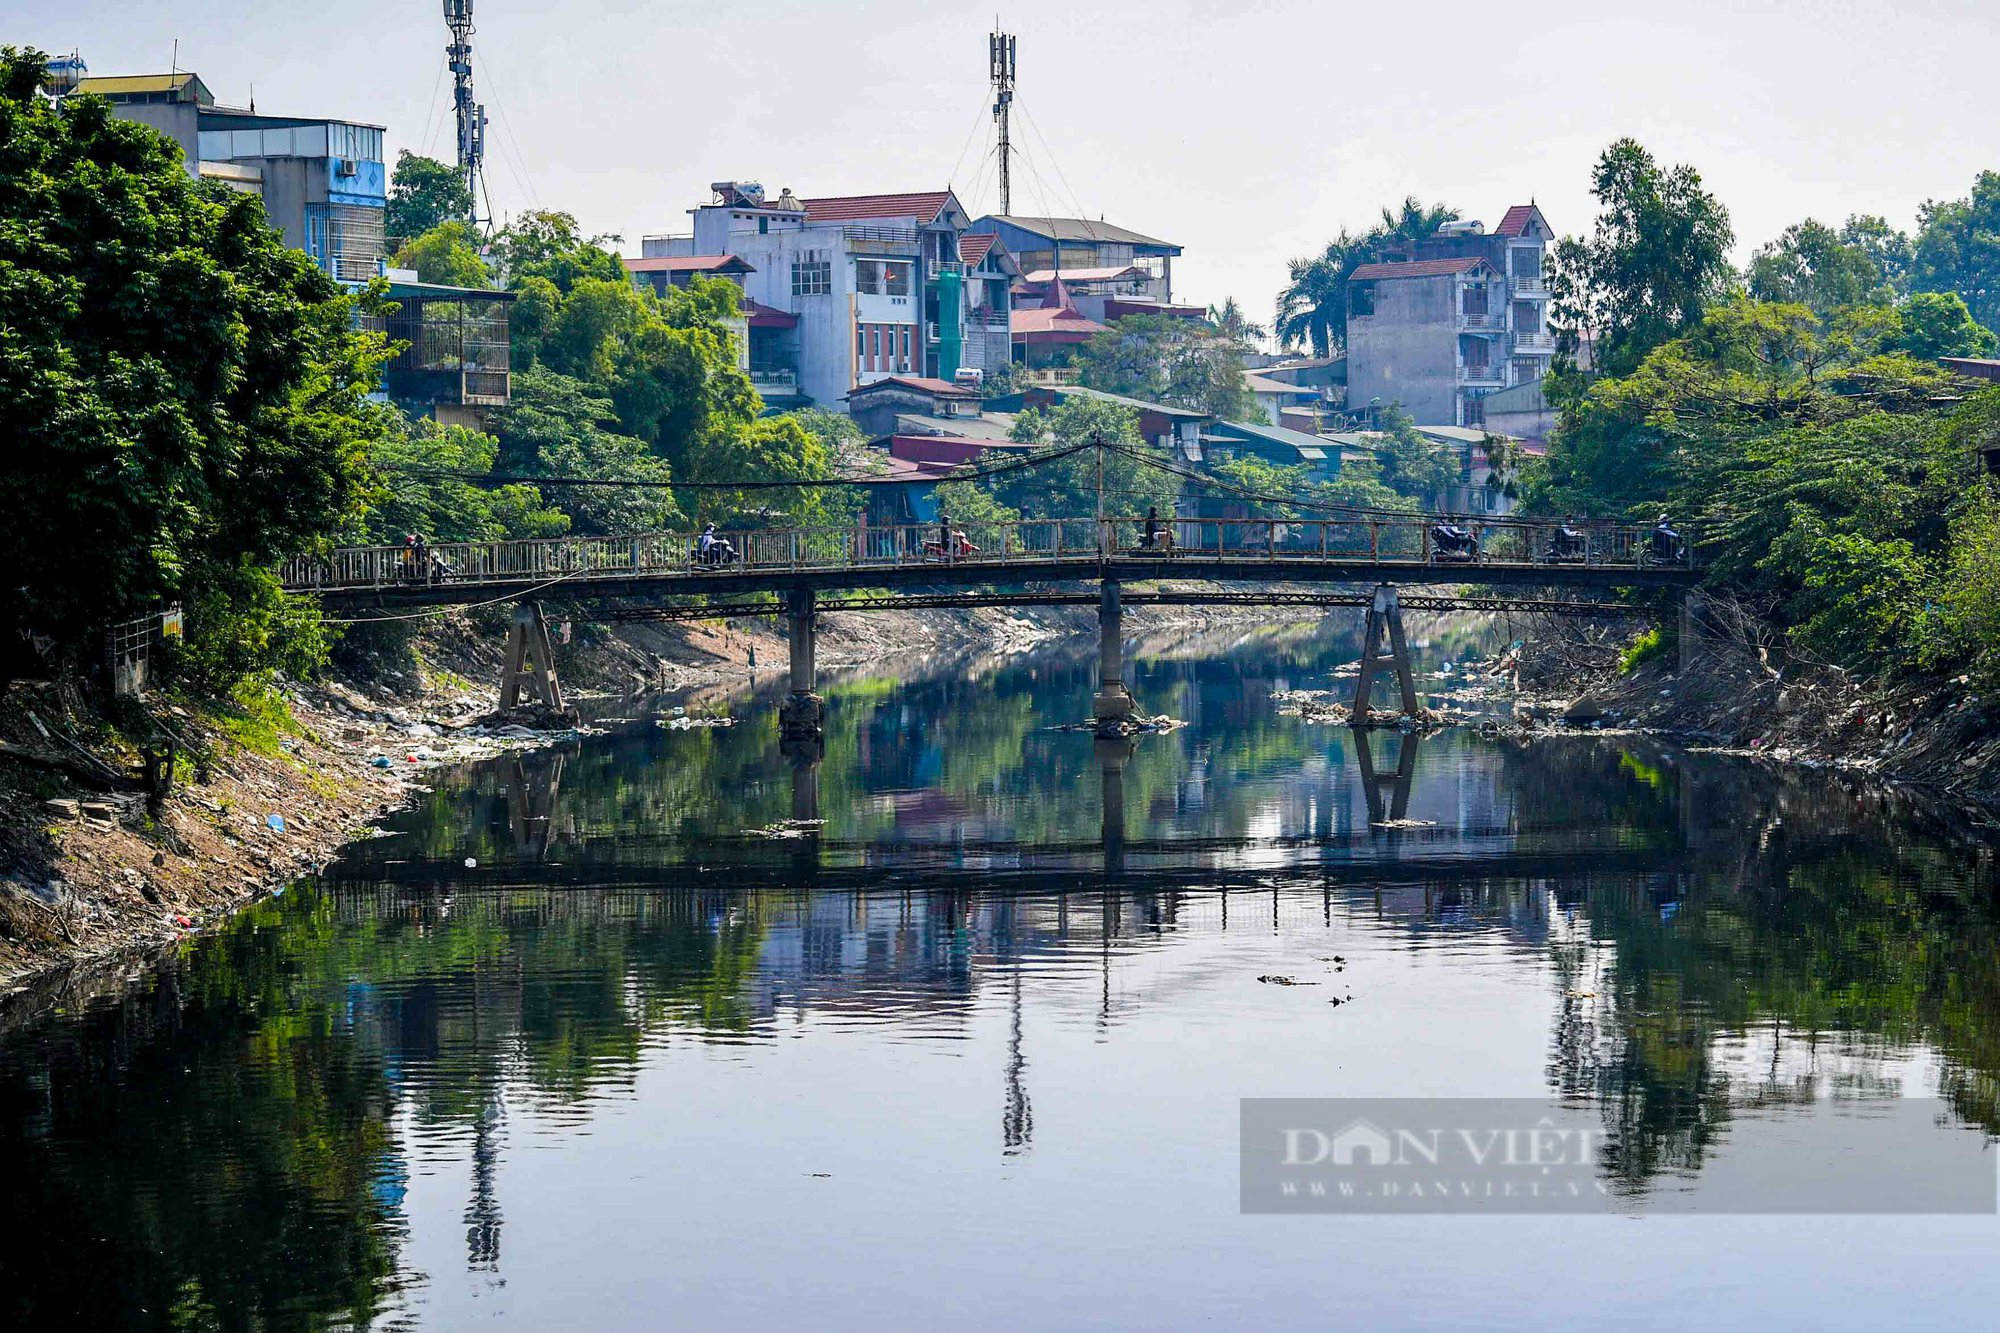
{"points": [[531, 664], [802, 717], [1114, 706], [1385, 615]]}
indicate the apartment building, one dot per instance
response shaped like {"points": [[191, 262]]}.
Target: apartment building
{"points": [[323, 181], [1458, 317], [1074, 246], [871, 285]]}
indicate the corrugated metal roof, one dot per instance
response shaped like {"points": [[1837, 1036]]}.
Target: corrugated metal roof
{"points": [[1421, 268], [1087, 274], [111, 85], [923, 207], [943, 388], [1264, 384], [1080, 229], [690, 264], [1181, 413]]}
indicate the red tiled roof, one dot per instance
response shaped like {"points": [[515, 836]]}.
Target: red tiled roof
{"points": [[690, 264], [972, 249], [1057, 319], [923, 207], [1421, 268], [921, 383], [1516, 220]]}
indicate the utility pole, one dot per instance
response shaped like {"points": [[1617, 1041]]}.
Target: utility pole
{"points": [[471, 115], [1000, 58]]}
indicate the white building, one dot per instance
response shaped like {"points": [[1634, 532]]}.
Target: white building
{"points": [[874, 285]]}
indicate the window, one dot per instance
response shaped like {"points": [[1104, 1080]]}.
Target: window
{"points": [[1475, 412], [763, 226], [1527, 317], [1527, 263], [812, 275], [1527, 369], [881, 277], [860, 344], [1475, 353], [1360, 298], [1475, 299], [875, 339], [906, 347]]}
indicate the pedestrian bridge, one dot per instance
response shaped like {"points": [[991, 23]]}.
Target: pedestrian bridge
{"points": [[803, 563], [1504, 552]]}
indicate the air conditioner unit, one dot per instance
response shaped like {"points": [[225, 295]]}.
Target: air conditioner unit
{"points": [[931, 332], [347, 166]]}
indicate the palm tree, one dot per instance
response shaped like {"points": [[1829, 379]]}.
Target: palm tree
{"points": [[1312, 309], [1233, 324]]}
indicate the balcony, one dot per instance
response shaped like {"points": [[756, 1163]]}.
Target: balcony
{"points": [[1535, 344], [1533, 287], [931, 332], [1047, 377], [937, 268], [774, 379], [990, 318], [1469, 323], [1481, 375]]}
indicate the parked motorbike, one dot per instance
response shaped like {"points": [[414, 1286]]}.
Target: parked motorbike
{"points": [[1664, 546]]}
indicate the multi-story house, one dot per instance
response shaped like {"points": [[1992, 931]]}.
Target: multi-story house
{"points": [[1046, 247], [1461, 315], [876, 285], [325, 188]]}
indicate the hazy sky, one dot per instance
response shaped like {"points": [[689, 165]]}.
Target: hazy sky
{"points": [[1246, 133]]}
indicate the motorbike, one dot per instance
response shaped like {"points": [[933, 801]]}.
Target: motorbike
{"points": [[1568, 546], [1449, 541], [961, 547], [718, 554], [1664, 546]]}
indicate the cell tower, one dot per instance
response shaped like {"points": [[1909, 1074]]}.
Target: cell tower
{"points": [[1000, 53], [471, 115]]}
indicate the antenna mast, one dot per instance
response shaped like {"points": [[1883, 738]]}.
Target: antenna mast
{"points": [[1000, 58], [471, 115]]}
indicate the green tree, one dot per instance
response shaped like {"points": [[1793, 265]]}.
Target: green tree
{"points": [[1656, 259], [186, 397], [1413, 464], [1958, 248], [444, 508], [424, 192], [545, 243], [1067, 487], [557, 426], [1232, 323], [1811, 266], [1164, 359], [447, 254], [1935, 324], [1890, 249]]}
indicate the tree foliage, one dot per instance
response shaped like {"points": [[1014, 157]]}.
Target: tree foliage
{"points": [[185, 397], [1957, 248], [1657, 257], [447, 254], [1163, 359], [1067, 487], [423, 193], [1312, 308], [1811, 266]]}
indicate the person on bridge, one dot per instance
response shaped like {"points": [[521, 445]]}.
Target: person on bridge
{"points": [[947, 545], [1152, 537], [714, 550]]}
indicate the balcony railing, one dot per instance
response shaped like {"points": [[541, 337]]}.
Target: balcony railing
{"points": [[988, 317], [1530, 287], [884, 235], [1482, 323], [1535, 343], [1479, 374], [1047, 377], [768, 378], [937, 268]]}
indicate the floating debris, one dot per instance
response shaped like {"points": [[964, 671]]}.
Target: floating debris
{"points": [[1402, 823], [1274, 979], [789, 828], [682, 722]]}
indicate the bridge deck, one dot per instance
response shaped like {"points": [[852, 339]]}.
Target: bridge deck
{"points": [[1506, 552]]}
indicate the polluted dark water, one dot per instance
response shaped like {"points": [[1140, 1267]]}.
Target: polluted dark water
{"points": [[618, 1036]]}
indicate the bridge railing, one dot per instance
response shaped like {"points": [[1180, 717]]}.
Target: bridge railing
{"points": [[1386, 541]]}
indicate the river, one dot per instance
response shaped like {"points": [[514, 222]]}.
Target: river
{"points": [[613, 1036]]}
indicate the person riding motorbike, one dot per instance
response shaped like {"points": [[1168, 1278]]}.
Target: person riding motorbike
{"points": [[714, 550], [1450, 541], [1664, 545], [1569, 542]]}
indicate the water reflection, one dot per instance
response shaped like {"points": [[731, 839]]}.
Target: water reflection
{"points": [[260, 1132]]}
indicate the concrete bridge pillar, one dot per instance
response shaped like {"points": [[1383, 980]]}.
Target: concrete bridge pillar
{"points": [[803, 714], [531, 663], [1385, 615], [1114, 703]]}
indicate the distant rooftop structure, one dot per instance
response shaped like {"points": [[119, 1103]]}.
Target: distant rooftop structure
{"points": [[1084, 231], [185, 86], [924, 207], [1418, 268]]}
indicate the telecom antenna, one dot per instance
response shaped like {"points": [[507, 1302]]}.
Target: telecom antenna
{"points": [[471, 115], [1000, 54]]}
